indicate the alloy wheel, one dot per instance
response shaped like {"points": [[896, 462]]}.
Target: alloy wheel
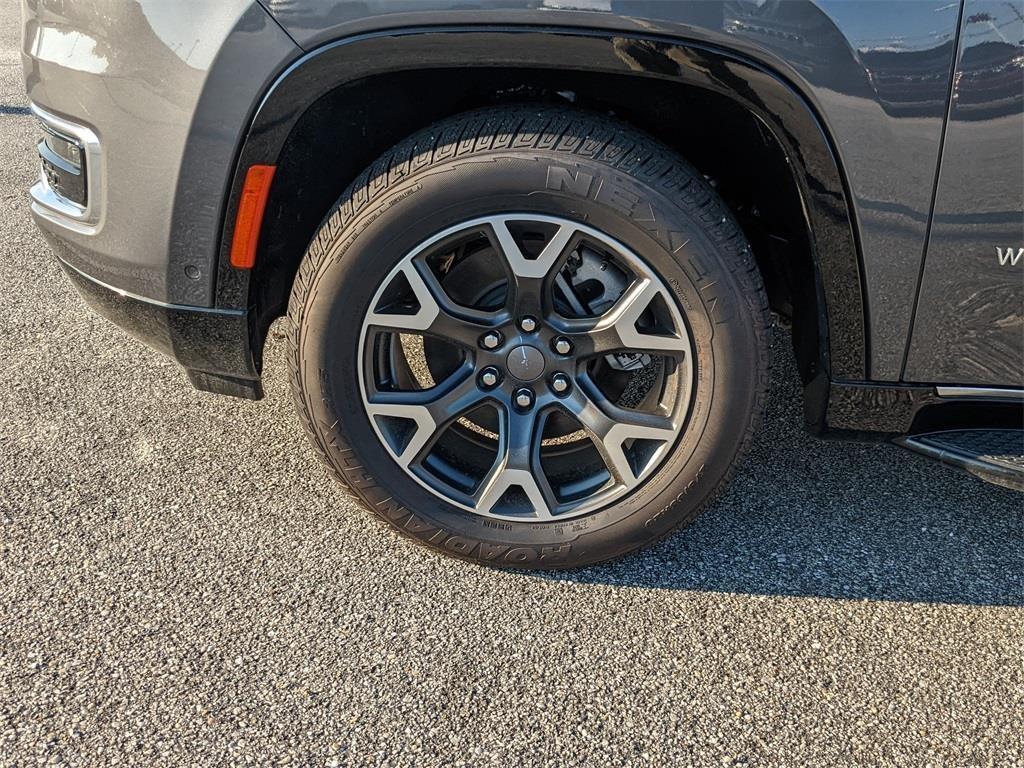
{"points": [[526, 367]]}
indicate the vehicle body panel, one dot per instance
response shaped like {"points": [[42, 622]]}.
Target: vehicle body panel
{"points": [[970, 317], [877, 73], [142, 76]]}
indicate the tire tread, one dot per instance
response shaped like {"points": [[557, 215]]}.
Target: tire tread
{"points": [[592, 136]]}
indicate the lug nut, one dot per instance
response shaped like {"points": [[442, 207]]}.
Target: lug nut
{"points": [[524, 398], [489, 377], [562, 345], [491, 340], [560, 383], [528, 324]]}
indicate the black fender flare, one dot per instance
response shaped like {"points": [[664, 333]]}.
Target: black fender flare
{"points": [[781, 107]]}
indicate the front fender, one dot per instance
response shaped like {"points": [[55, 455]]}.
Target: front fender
{"points": [[830, 219]]}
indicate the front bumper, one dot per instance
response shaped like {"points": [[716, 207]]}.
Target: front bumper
{"points": [[157, 103], [212, 344]]}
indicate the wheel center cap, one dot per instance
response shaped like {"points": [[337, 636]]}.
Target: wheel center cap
{"points": [[526, 363]]}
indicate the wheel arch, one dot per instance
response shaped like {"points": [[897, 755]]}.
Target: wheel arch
{"points": [[358, 92]]}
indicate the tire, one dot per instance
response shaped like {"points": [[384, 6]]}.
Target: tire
{"points": [[633, 207]]}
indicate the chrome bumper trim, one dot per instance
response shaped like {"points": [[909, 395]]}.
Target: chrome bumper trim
{"points": [[999, 393], [57, 209]]}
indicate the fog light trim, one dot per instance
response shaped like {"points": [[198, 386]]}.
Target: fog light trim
{"points": [[72, 200]]}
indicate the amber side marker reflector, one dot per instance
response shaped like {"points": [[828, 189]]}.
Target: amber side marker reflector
{"points": [[250, 215]]}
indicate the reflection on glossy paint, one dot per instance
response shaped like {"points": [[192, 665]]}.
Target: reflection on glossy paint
{"points": [[68, 48], [578, 5], [970, 320], [174, 23]]}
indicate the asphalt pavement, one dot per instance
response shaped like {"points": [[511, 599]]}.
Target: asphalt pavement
{"points": [[181, 583]]}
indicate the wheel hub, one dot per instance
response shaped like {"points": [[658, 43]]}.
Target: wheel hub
{"points": [[525, 363]]}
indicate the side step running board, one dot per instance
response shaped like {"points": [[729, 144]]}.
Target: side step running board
{"points": [[994, 455]]}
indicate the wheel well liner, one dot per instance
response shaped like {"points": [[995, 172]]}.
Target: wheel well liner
{"points": [[374, 85]]}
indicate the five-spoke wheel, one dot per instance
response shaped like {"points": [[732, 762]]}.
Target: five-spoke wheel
{"points": [[525, 366]]}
